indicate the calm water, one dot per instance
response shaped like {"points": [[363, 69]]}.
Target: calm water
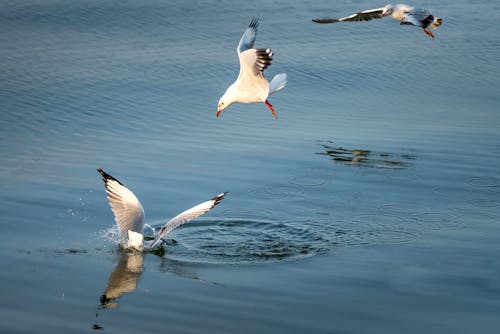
{"points": [[372, 205]]}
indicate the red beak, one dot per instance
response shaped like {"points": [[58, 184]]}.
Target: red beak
{"points": [[218, 113]]}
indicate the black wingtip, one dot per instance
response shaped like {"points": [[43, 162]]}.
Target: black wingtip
{"points": [[218, 198], [254, 24], [325, 21], [106, 176], [264, 58]]}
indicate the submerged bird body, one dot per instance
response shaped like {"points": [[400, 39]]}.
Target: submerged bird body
{"points": [[129, 214], [251, 86], [405, 14]]}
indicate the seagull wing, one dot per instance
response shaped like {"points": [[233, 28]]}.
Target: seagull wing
{"points": [[254, 61], [248, 38], [128, 211], [410, 19], [418, 17], [187, 216], [366, 15], [422, 14]]}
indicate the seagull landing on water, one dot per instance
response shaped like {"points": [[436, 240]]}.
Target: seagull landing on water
{"points": [[129, 214], [405, 14], [251, 86]]}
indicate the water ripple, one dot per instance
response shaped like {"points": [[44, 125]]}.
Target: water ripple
{"points": [[372, 237], [251, 241], [437, 220], [307, 180], [240, 241], [482, 182], [277, 191]]}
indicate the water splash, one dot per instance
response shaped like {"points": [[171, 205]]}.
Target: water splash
{"points": [[110, 235]]}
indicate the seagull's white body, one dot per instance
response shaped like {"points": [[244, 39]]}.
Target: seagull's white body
{"points": [[251, 86], [403, 13], [129, 214], [399, 11]]}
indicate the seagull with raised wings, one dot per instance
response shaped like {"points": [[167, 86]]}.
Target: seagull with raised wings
{"points": [[251, 86], [129, 214], [405, 14]]}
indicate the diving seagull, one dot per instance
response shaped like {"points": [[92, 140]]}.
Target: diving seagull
{"points": [[251, 86], [129, 214], [407, 15]]}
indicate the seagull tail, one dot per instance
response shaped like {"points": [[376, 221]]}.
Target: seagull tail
{"points": [[278, 82], [437, 22]]}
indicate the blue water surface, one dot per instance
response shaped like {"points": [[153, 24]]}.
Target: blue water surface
{"points": [[372, 205]]}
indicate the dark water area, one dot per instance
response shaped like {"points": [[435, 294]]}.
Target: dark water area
{"points": [[372, 205]]}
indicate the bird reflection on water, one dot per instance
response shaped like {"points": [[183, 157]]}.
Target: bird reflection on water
{"points": [[123, 279], [367, 158], [127, 272]]}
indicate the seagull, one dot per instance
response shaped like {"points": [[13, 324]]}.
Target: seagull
{"points": [[129, 214], [251, 86], [407, 15]]}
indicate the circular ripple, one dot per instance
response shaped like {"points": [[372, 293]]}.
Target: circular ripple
{"points": [[436, 220], [376, 229], [241, 241], [401, 209], [379, 221], [307, 180], [276, 192], [246, 213], [471, 217], [373, 237], [484, 182], [484, 202]]}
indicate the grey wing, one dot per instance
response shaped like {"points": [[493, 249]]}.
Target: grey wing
{"points": [[248, 38], [187, 216], [421, 14], [366, 15], [410, 19], [128, 211], [418, 17]]}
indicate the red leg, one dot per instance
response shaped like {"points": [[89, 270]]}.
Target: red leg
{"points": [[270, 106], [429, 33]]}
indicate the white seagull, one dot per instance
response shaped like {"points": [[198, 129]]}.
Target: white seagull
{"points": [[405, 14], [251, 86], [129, 214]]}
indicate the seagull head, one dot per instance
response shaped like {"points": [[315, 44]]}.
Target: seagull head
{"points": [[225, 101], [387, 10]]}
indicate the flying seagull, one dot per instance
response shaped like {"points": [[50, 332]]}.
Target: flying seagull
{"points": [[407, 15], [251, 86], [129, 214]]}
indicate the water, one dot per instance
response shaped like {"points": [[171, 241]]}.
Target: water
{"points": [[371, 205]]}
